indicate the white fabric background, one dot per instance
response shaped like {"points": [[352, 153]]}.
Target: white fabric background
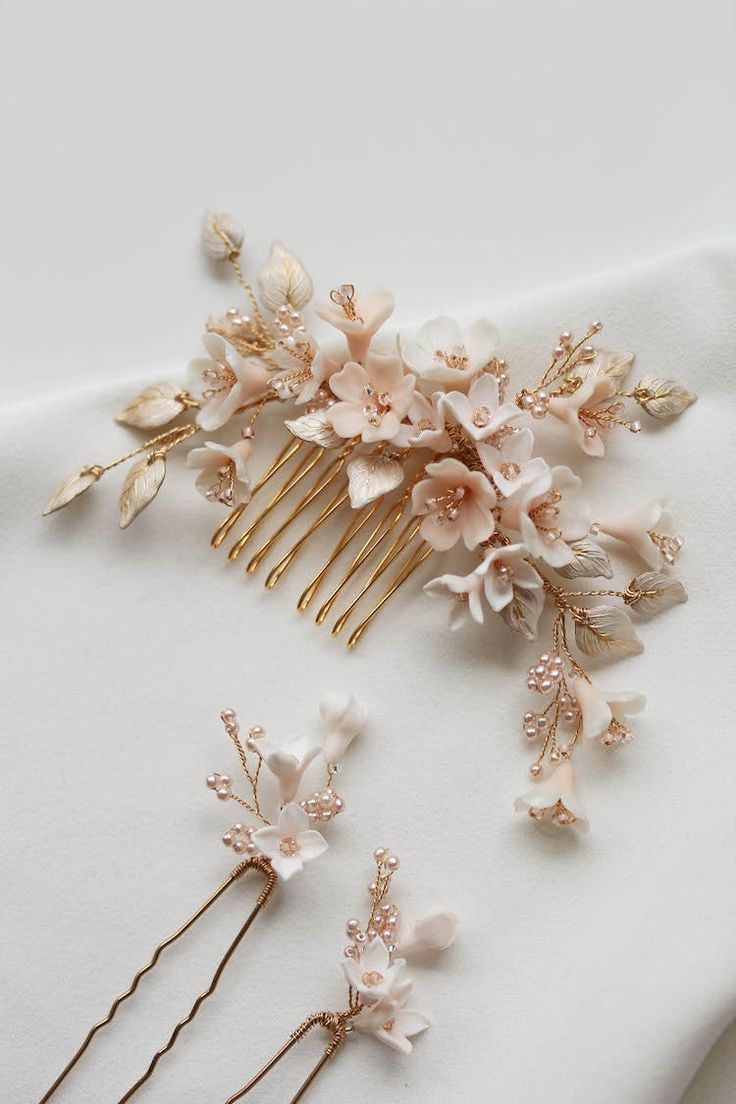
{"points": [[459, 154], [604, 968]]}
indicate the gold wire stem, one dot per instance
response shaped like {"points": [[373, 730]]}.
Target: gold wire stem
{"points": [[306, 464], [256, 863], [414, 562], [165, 442], [286, 454], [276, 572], [234, 876], [356, 523], [324, 479], [379, 533], [332, 1022], [405, 537]]}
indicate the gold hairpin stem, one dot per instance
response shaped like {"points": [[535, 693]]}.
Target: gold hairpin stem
{"points": [[257, 863], [356, 523], [293, 480], [404, 538], [415, 561], [379, 533], [335, 1023], [232, 519], [324, 480]]}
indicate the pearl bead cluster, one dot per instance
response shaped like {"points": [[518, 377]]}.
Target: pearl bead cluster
{"points": [[535, 402], [222, 784], [322, 805], [232, 727], [384, 919], [238, 836], [546, 673]]}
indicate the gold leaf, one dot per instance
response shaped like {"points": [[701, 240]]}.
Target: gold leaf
{"points": [[72, 487], [315, 428], [284, 280], [663, 398], [524, 610], [222, 235], [615, 365], [653, 591], [605, 630], [370, 477], [590, 561], [154, 407], [141, 486]]}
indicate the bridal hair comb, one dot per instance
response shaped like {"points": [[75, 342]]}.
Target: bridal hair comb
{"points": [[276, 849], [374, 964], [412, 446]]}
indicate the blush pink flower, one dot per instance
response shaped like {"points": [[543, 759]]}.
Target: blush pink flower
{"points": [[224, 381], [570, 410], [479, 411], [555, 802], [455, 503], [511, 462], [374, 398], [390, 1022], [426, 428], [359, 318], [291, 843], [446, 355], [548, 514]]}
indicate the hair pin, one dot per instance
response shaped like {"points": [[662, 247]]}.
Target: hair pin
{"points": [[374, 965], [413, 446], [275, 848]]}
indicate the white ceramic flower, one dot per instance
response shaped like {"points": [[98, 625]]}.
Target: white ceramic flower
{"points": [[465, 594], [433, 932], [548, 513], [634, 530], [344, 718], [479, 411], [555, 800], [357, 317], [223, 472], [502, 570], [443, 354], [426, 428], [223, 381], [288, 762], [511, 464], [374, 398], [291, 843], [373, 975], [567, 409], [603, 710], [391, 1023], [455, 503]]}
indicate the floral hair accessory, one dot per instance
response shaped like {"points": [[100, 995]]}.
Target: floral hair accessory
{"points": [[416, 445], [283, 832], [379, 998]]}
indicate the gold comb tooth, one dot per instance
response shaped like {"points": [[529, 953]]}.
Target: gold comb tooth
{"points": [[276, 572], [414, 562], [285, 455], [356, 523], [323, 481], [379, 533], [306, 465], [405, 537]]}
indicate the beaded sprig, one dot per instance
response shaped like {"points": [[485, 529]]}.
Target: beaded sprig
{"points": [[414, 445]]}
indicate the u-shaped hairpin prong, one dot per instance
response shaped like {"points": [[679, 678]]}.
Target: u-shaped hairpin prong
{"points": [[255, 863], [334, 1022]]}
